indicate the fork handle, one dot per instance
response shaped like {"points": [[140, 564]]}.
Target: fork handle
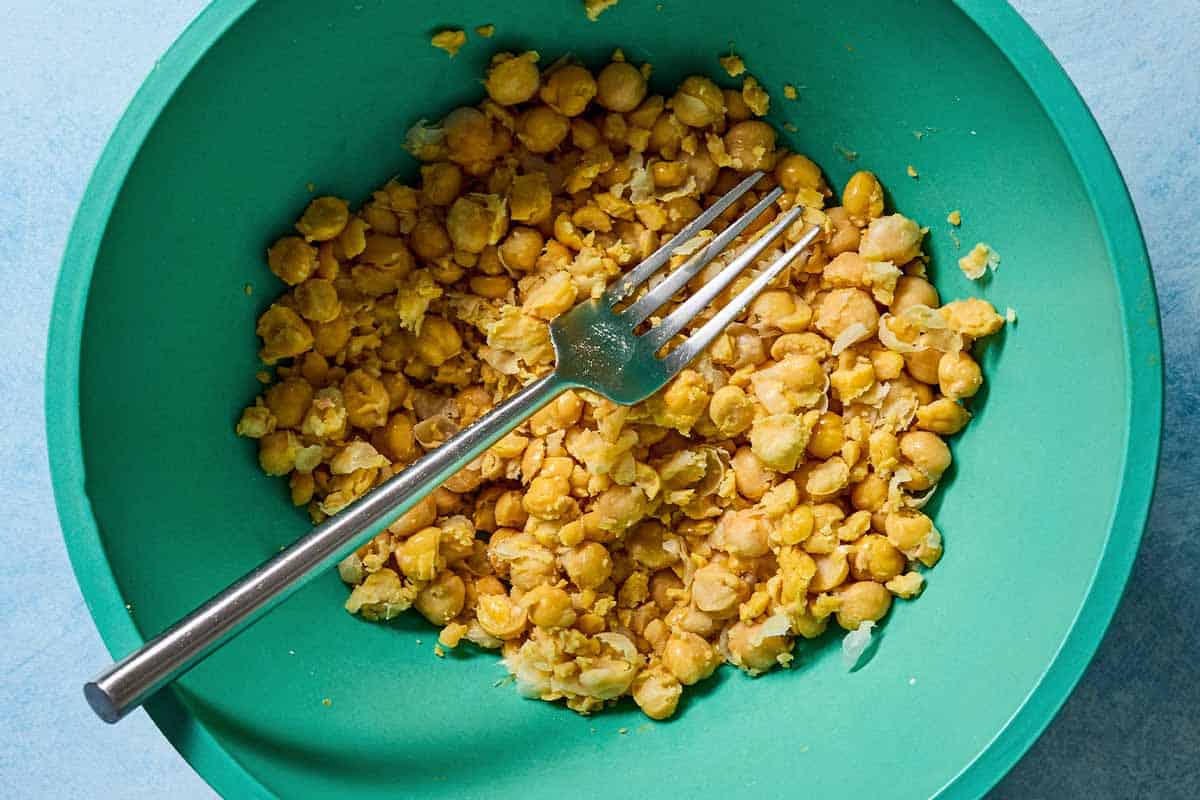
{"points": [[128, 683]]}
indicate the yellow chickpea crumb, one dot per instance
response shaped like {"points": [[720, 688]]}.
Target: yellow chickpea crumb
{"points": [[769, 491], [594, 8], [912, 171], [789, 91], [486, 31], [976, 263], [954, 218], [733, 64], [451, 40], [755, 96]]}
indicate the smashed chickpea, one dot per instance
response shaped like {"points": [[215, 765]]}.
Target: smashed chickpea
{"points": [[611, 551]]}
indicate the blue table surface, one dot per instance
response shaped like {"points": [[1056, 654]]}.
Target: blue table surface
{"points": [[1130, 730]]}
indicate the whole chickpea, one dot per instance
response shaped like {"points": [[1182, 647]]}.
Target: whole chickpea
{"points": [[441, 183], [751, 145], [620, 87], [292, 259], [569, 89], [717, 591], [442, 599], [862, 601], [542, 129], [689, 657], [959, 375], [512, 79], [907, 529], [657, 692], [876, 559], [698, 102], [520, 250], [841, 308], [549, 607], [588, 564], [913, 291], [797, 172], [863, 197], [927, 452], [752, 651], [289, 401]]}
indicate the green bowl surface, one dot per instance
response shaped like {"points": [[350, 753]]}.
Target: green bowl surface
{"points": [[152, 354]]}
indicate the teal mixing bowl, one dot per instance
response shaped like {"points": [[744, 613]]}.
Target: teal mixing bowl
{"points": [[152, 355]]}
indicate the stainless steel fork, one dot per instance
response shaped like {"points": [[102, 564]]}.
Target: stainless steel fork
{"points": [[596, 348]]}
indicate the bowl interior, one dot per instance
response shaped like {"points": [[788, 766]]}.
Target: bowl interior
{"points": [[308, 92]]}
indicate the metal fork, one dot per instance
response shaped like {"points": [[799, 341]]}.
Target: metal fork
{"points": [[596, 348]]}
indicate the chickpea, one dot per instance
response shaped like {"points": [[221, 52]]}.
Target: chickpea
{"points": [[277, 452], [301, 486], [441, 183], [731, 410], [862, 601], [289, 401], [745, 534], [619, 508], [797, 172], [437, 342], [620, 87], [442, 599], [894, 238], [778, 442], [863, 197], [512, 79], [913, 291], [669, 174], [689, 657], [887, 365], [468, 136], [870, 493], [494, 287], [781, 309], [827, 437], [841, 308], [752, 651], [959, 376], [324, 219], [568, 90], [549, 607], [736, 108], [657, 692], [429, 240], [876, 559], [366, 399], [750, 473], [548, 497], [560, 413], [846, 235], [607, 678], [751, 145], [942, 416], [542, 129], [500, 616], [588, 564], [907, 529], [284, 334], [644, 545], [832, 569], [395, 439], [717, 591], [418, 554], [666, 135], [317, 300], [476, 221], [698, 102], [520, 250], [927, 452], [827, 478], [292, 259]]}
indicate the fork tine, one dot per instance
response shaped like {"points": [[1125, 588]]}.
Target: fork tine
{"points": [[678, 358], [640, 274], [687, 311], [656, 297]]}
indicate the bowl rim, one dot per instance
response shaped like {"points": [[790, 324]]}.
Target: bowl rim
{"points": [[1137, 299]]}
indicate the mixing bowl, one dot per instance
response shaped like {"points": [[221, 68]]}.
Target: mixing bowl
{"points": [[152, 356]]}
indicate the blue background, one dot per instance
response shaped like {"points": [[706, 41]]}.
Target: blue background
{"points": [[69, 67]]}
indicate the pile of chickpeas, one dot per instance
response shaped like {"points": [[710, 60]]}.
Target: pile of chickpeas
{"points": [[773, 485]]}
